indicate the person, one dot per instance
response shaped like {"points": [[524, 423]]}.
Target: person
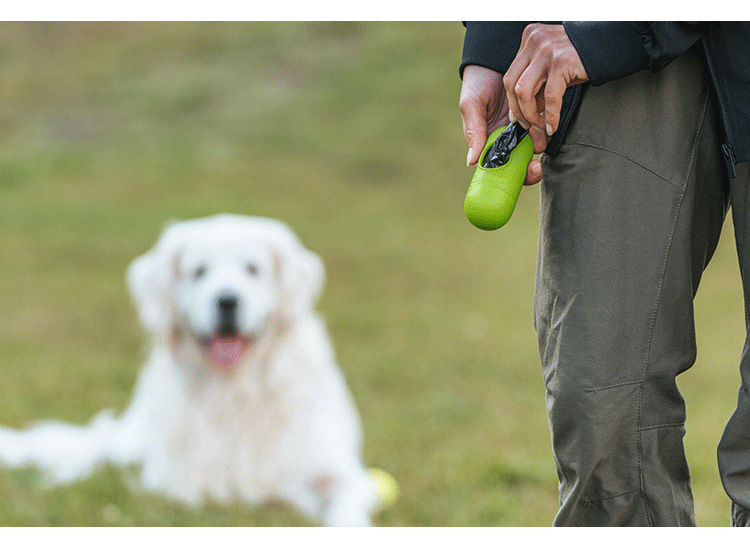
{"points": [[645, 129]]}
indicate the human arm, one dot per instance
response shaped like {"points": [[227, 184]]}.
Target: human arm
{"points": [[489, 49], [553, 57], [546, 64], [597, 51], [484, 108]]}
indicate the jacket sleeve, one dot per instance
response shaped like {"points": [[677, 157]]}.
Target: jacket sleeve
{"points": [[612, 50], [491, 44]]}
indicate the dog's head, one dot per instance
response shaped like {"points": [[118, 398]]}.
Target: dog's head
{"points": [[220, 281]]}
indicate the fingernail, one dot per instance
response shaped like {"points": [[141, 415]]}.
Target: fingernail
{"points": [[468, 157], [536, 169], [511, 116], [549, 130]]}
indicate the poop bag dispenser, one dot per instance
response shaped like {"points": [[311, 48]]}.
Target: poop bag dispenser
{"points": [[499, 176]]}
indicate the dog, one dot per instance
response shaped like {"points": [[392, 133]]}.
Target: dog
{"points": [[240, 397]]}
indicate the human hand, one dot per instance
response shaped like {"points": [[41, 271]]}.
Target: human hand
{"points": [[545, 65], [484, 107]]}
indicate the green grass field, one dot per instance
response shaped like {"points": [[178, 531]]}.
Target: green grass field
{"points": [[351, 134]]}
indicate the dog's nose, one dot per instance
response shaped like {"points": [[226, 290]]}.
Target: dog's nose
{"points": [[227, 314], [227, 303]]}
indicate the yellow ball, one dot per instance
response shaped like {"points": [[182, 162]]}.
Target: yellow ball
{"points": [[386, 486]]}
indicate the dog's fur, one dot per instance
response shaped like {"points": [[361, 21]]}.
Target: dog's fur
{"points": [[247, 405]]}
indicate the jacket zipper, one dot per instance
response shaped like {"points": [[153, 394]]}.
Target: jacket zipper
{"points": [[726, 149], [570, 113], [729, 158]]}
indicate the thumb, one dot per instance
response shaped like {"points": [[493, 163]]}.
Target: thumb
{"points": [[473, 114]]}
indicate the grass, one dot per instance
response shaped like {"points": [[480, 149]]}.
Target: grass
{"points": [[349, 132]]}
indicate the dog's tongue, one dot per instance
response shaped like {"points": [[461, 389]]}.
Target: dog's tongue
{"points": [[226, 351]]}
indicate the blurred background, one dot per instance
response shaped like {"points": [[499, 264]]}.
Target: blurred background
{"points": [[350, 133]]}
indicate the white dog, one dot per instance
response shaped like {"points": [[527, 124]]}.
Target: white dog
{"points": [[240, 398]]}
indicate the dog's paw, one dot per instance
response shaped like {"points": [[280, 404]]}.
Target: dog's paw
{"points": [[351, 501]]}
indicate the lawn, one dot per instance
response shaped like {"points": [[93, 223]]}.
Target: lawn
{"points": [[350, 133]]}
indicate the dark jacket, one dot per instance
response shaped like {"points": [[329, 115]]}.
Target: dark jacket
{"points": [[612, 50]]}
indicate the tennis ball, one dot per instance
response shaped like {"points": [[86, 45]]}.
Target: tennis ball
{"points": [[385, 485]]}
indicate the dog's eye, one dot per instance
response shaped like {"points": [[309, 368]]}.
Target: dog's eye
{"points": [[199, 272], [252, 269]]}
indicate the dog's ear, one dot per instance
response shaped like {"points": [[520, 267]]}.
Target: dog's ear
{"points": [[150, 279], [300, 274]]}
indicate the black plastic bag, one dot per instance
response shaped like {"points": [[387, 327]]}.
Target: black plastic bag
{"points": [[499, 153]]}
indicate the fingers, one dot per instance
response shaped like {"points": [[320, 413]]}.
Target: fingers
{"points": [[475, 131], [509, 82], [539, 138], [527, 90], [553, 94], [483, 107], [533, 172], [545, 65], [535, 100], [521, 84]]}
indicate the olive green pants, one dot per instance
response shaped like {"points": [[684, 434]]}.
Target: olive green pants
{"points": [[631, 212]]}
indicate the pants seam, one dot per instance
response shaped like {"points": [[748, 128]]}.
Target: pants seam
{"points": [[627, 157], [660, 426], [652, 325], [623, 384], [589, 500]]}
